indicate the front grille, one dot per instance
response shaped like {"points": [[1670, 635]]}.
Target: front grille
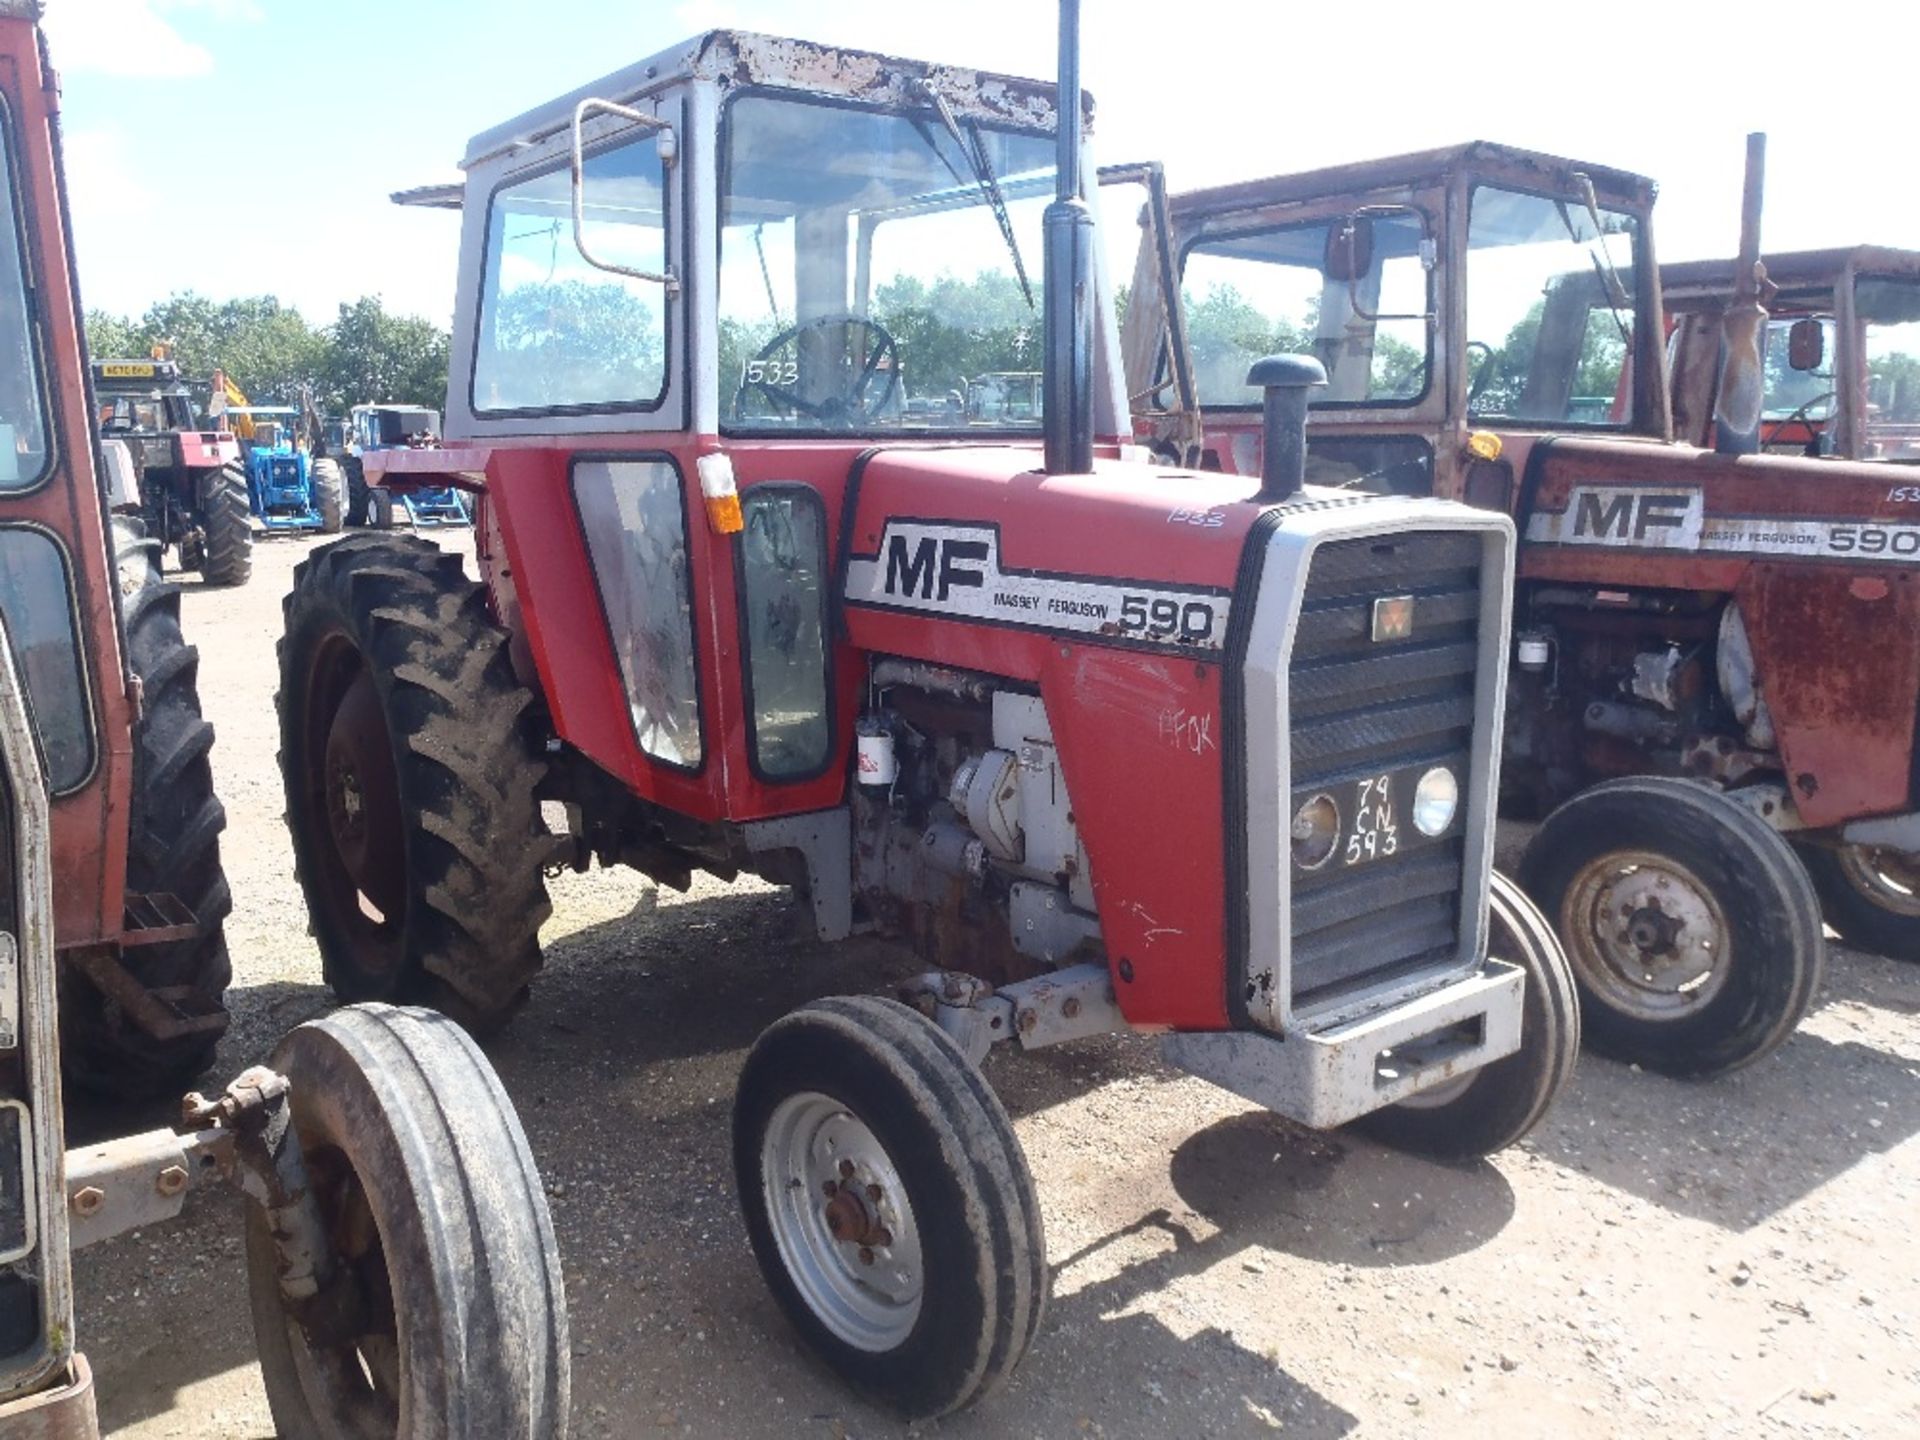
{"points": [[1359, 709]]}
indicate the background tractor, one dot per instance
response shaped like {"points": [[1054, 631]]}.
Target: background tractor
{"points": [[373, 428], [403, 1274], [1842, 351], [287, 489], [1107, 746], [1692, 680], [188, 485]]}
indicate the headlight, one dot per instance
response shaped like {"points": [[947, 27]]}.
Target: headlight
{"points": [[1316, 832], [1435, 799]]}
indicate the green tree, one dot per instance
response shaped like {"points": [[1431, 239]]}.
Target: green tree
{"points": [[372, 356]]}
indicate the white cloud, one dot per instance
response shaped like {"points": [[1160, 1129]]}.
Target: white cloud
{"points": [[135, 38]]}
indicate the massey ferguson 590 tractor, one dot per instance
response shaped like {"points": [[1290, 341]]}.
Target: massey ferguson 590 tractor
{"points": [[1703, 640], [403, 1275], [1111, 747]]}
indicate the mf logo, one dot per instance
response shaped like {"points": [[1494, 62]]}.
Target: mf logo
{"points": [[1635, 516], [930, 568]]}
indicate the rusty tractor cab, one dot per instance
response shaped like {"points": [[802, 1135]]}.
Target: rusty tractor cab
{"points": [[1110, 748], [400, 1254], [1842, 360], [1691, 670], [188, 483]]}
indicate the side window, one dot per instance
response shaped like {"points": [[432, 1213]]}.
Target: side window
{"points": [[36, 600], [556, 332], [633, 513], [783, 614], [1270, 292], [23, 426]]}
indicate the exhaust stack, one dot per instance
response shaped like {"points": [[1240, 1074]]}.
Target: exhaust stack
{"points": [[1736, 408], [1067, 386], [1284, 380]]}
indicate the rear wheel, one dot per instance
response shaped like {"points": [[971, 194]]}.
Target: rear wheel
{"points": [[356, 489], [434, 1209], [888, 1203], [227, 521], [1693, 929], [173, 848], [381, 507], [1494, 1106], [410, 763], [329, 485], [1870, 896]]}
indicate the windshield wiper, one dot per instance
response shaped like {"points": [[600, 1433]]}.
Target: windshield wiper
{"points": [[1611, 285], [984, 177]]}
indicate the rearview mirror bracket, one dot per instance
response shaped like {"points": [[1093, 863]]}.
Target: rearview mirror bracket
{"points": [[669, 151]]}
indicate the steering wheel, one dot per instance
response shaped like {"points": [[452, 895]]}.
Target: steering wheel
{"points": [[1798, 417], [1483, 377], [842, 411]]}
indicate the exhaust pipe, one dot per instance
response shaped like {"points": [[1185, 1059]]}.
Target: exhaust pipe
{"points": [[1736, 408], [1285, 381], [1067, 386]]}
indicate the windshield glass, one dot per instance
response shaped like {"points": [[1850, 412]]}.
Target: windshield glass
{"points": [[1269, 292], [865, 280], [1549, 310], [23, 429], [1889, 313]]}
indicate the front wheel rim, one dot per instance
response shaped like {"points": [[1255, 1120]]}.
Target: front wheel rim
{"points": [[1647, 935], [1885, 878], [842, 1222]]}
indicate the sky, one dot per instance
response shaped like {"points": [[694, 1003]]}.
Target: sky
{"points": [[241, 147]]}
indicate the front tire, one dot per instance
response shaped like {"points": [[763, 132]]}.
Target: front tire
{"points": [[173, 848], [889, 1204], [1693, 929], [410, 764], [1496, 1105], [434, 1205], [226, 518], [1870, 897], [329, 485]]}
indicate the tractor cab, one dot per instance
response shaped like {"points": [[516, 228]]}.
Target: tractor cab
{"points": [[1842, 363], [1451, 292]]}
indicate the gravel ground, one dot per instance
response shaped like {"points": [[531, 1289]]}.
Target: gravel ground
{"points": [[1657, 1259]]}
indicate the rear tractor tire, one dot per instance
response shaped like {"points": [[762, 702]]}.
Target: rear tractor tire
{"points": [[356, 489], [437, 1217], [1493, 1107], [1870, 896], [410, 762], [1693, 929], [329, 485], [889, 1204], [173, 848], [226, 519]]}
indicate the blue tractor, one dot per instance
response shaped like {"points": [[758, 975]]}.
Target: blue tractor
{"points": [[285, 488], [397, 427]]}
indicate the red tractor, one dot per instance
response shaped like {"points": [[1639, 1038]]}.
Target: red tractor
{"points": [[403, 1275], [1842, 358], [1111, 747], [1692, 626]]}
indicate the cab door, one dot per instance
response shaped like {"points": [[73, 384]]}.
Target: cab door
{"points": [[55, 575]]}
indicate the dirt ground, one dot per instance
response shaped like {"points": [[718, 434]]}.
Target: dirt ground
{"points": [[1658, 1258]]}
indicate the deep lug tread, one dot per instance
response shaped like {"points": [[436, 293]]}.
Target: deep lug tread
{"points": [[173, 848], [460, 725], [227, 519]]}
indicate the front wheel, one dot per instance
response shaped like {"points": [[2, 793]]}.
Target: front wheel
{"points": [[433, 1204], [888, 1203], [1693, 929], [1870, 896], [1493, 1107], [329, 485]]}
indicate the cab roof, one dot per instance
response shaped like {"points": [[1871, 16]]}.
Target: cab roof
{"points": [[1792, 270], [740, 57], [1504, 162]]}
